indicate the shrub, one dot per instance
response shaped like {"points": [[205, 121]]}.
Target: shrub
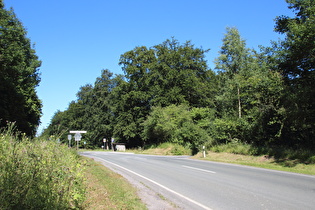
{"points": [[37, 174], [234, 147], [174, 149], [178, 125]]}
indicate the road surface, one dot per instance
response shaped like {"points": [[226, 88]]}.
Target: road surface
{"points": [[195, 184]]}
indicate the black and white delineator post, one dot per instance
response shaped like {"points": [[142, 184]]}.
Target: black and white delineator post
{"points": [[77, 136]]}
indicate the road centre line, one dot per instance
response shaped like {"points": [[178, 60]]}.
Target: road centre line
{"points": [[199, 169], [158, 184]]}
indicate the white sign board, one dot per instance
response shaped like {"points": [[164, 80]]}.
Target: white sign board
{"points": [[77, 131], [77, 137]]}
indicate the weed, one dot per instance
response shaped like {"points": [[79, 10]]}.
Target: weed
{"points": [[37, 174]]}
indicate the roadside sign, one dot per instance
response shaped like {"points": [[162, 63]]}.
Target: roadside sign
{"points": [[77, 137], [69, 137], [77, 131]]}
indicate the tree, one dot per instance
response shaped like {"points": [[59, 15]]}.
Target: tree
{"points": [[19, 75], [91, 112], [129, 111], [181, 75], [249, 94], [166, 74], [231, 64], [297, 63], [98, 115]]}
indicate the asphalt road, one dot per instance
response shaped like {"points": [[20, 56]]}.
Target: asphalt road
{"points": [[195, 184]]}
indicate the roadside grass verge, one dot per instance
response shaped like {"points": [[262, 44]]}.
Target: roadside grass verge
{"points": [[262, 161], [163, 149], [108, 190]]}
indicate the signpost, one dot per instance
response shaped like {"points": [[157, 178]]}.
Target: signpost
{"points": [[69, 138], [104, 140], [77, 136], [112, 144]]}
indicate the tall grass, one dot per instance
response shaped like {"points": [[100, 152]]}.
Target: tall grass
{"points": [[283, 156], [36, 174], [166, 148]]}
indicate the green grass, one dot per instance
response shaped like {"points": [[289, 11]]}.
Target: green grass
{"points": [[36, 174], [40, 174], [163, 149], [108, 190], [262, 161]]}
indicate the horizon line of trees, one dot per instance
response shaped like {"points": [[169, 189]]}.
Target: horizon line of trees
{"points": [[169, 94]]}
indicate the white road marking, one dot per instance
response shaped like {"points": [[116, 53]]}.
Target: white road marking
{"points": [[158, 184], [199, 169]]}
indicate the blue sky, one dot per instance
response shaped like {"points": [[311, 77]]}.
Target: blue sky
{"points": [[76, 39]]}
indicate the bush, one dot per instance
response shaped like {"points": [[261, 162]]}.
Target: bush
{"points": [[178, 125], [234, 147], [37, 174], [174, 149]]}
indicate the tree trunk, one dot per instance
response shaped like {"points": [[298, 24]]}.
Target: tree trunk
{"points": [[239, 103]]}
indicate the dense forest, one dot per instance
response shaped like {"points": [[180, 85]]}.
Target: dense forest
{"points": [[169, 94]]}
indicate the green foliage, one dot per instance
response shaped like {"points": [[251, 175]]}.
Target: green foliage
{"points": [[284, 156], [297, 64], [174, 149], [166, 148], [249, 94], [18, 76], [91, 112], [166, 74], [174, 124], [234, 147], [37, 174]]}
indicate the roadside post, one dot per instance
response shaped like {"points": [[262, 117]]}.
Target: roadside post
{"points": [[204, 151], [77, 138], [69, 138], [104, 140], [113, 144]]}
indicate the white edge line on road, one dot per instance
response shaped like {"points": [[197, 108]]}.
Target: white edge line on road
{"points": [[199, 169], [154, 182]]}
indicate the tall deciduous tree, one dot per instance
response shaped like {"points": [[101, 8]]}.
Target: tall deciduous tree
{"points": [[19, 75], [98, 116], [297, 64], [249, 94], [232, 62], [166, 74], [91, 112]]}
